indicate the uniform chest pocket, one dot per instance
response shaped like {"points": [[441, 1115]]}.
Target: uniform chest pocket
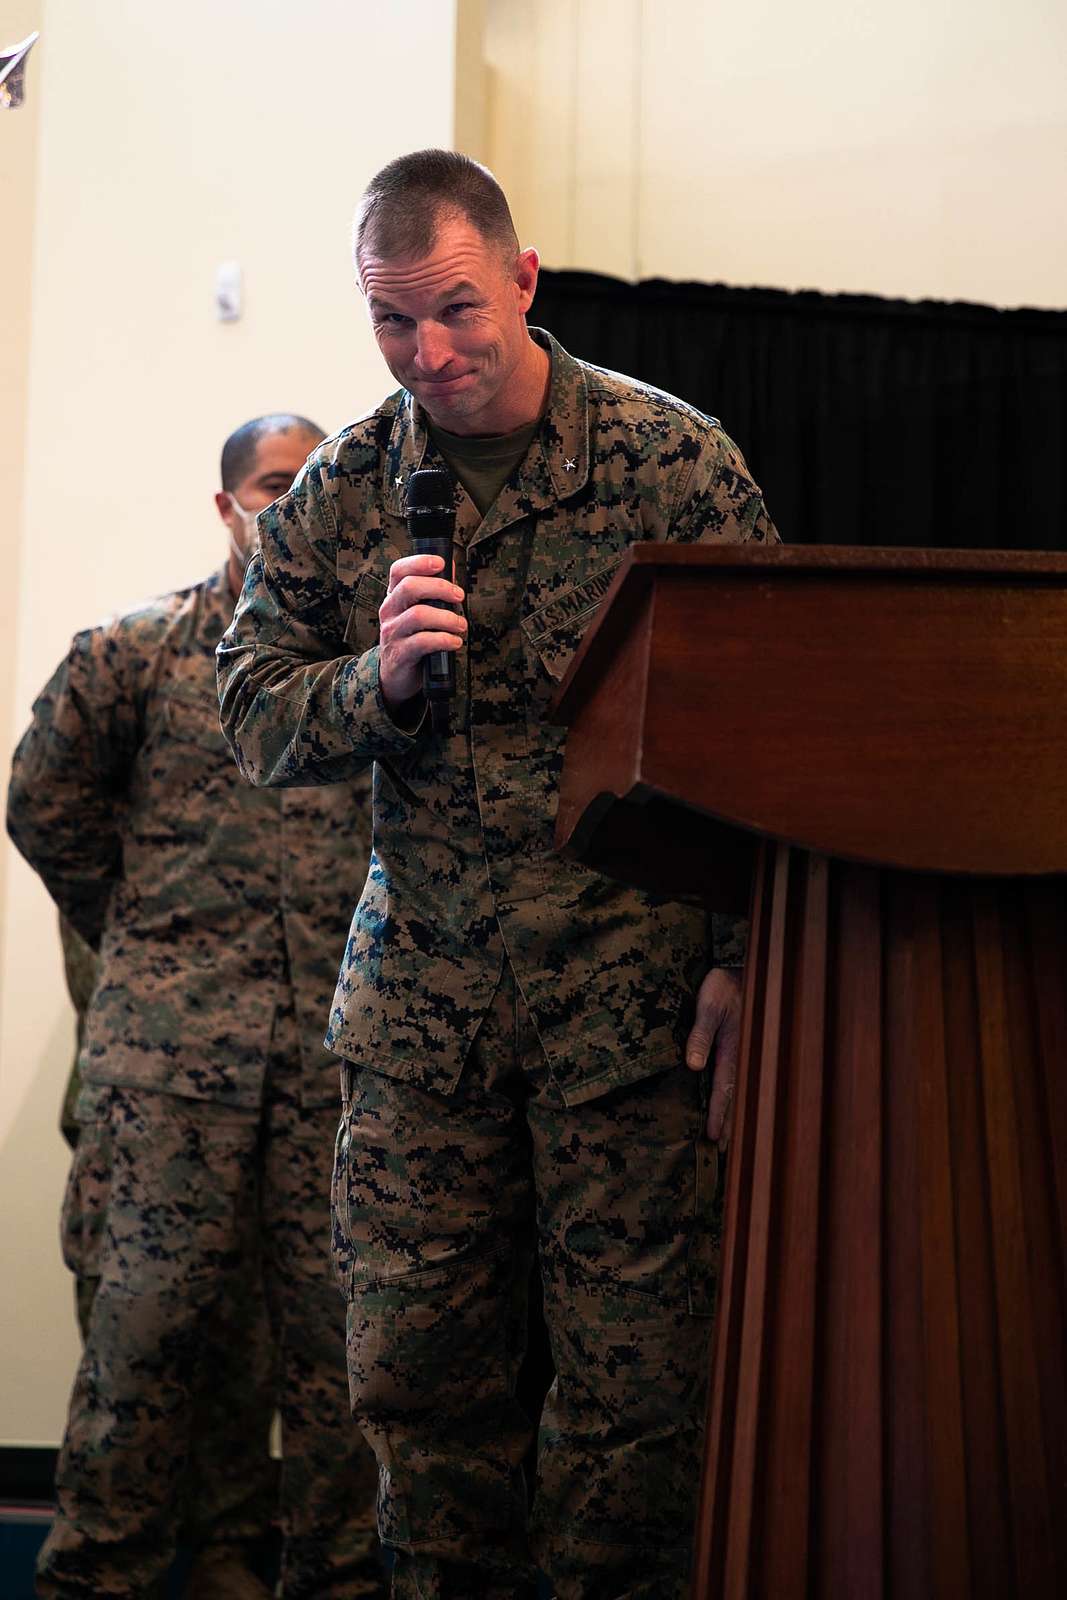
{"points": [[361, 631], [555, 630], [183, 756]]}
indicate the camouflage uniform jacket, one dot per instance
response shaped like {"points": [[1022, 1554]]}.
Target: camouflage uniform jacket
{"points": [[463, 873], [211, 902], [79, 968]]}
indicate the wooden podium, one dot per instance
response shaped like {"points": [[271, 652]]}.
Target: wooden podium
{"points": [[882, 736]]}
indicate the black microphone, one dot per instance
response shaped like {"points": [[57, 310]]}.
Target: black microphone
{"points": [[430, 506]]}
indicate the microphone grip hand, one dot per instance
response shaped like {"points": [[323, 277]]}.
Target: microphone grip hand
{"points": [[411, 626], [439, 667]]}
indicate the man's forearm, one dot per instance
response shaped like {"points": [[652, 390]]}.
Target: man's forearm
{"points": [[294, 721], [78, 858]]}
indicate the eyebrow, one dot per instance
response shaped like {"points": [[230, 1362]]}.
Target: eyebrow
{"points": [[453, 292]]}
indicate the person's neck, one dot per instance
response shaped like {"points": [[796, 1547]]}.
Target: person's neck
{"points": [[235, 573]]}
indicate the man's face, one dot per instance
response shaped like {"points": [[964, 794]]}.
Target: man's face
{"points": [[278, 459], [451, 327]]}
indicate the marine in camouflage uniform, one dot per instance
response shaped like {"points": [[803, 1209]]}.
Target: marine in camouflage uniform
{"points": [[217, 912], [231, 1483], [514, 1024]]}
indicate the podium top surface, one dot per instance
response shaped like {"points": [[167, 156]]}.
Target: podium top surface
{"points": [[853, 558], [905, 706], [643, 563]]}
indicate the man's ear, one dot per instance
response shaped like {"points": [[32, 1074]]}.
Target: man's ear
{"points": [[222, 506], [527, 266]]}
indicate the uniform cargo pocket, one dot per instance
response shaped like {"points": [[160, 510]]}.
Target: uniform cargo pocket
{"points": [[84, 1213], [427, 1351]]}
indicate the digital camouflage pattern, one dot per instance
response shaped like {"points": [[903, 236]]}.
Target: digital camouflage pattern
{"points": [[229, 1491], [170, 1208], [435, 1200], [230, 1488], [514, 1022], [218, 913], [79, 969], [462, 871], [208, 900]]}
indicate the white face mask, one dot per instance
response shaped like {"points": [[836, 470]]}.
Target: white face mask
{"points": [[251, 544]]}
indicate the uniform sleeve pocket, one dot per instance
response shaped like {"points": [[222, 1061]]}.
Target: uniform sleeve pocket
{"points": [[194, 719], [361, 632]]}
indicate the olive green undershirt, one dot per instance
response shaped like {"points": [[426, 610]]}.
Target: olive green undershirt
{"points": [[483, 464]]}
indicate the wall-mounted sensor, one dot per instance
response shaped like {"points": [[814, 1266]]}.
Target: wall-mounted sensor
{"points": [[228, 291]]}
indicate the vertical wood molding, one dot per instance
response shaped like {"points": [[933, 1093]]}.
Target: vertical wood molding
{"points": [[893, 1308]]}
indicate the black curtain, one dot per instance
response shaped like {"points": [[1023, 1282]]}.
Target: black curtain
{"points": [[866, 421]]}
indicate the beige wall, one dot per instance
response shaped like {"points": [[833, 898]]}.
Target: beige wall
{"points": [[18, 210], [169, 139], [913, 149], [917, 149]]}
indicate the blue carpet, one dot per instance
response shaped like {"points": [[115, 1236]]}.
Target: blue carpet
{"points": [[22, 1533]]}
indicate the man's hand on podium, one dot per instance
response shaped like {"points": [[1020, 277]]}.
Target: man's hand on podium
{"points": [[717, 1033]]}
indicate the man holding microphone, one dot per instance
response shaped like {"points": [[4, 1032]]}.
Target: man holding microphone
{"points": [[516, 1029]]}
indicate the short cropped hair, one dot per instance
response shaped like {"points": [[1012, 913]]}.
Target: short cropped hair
{"points": [[401, 208], [239, 451]]}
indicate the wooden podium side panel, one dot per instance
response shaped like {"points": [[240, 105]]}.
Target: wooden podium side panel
{"points": [[926, 1483], [889, 1410]]}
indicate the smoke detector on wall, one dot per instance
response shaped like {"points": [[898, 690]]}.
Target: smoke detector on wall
{"points": [[228, 291]]}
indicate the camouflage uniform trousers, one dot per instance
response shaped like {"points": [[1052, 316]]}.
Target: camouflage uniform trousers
{"points": [[438, 1202], [184, 1177], [231, 1483]]}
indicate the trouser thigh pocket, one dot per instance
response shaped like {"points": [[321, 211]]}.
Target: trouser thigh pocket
{"points": [[431, 1383]]}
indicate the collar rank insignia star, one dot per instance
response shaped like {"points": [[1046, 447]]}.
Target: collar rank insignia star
{"points": [[398, 480], [570, 465]]}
